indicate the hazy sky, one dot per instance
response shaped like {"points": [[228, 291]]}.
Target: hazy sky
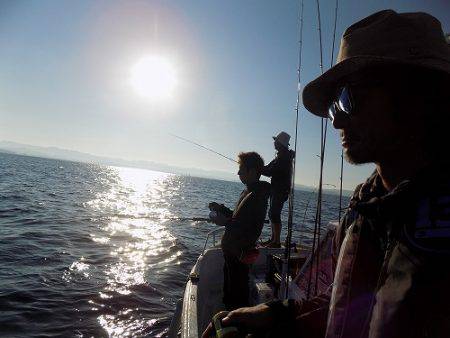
{"points": [[66, 68]]}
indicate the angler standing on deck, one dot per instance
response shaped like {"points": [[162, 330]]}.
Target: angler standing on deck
{"points": [[280, 170], [243, 228], [388, 95]]}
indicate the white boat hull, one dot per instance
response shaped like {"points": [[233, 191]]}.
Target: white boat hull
{"points": [[203, 293]]}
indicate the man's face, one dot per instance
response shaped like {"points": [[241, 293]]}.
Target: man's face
{"points": [[243, 173], [246, 175], [370, 133], [277, 145]]}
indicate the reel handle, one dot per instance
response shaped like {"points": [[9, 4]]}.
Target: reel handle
{"points": [[224, 331]]}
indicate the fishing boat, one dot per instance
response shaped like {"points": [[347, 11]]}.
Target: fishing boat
{"points": [[276, 273], [202, 297]]}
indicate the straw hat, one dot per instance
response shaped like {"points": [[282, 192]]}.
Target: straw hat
{"points": [[282, 138], [383, 38]]}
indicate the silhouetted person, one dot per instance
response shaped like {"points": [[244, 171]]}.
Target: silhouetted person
{"points": [[280, 171], [243, 228]]}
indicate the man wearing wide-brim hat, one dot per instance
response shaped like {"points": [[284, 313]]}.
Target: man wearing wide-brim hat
{"points": [[280, 172], [388, 95]]}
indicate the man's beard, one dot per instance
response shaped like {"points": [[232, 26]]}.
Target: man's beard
{"points": [[371, 150], [357, 156], [361, 152], [357, 149], [352, 159]]}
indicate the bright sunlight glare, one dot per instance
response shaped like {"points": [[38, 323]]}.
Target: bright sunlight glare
{"points": [[154, 78]]}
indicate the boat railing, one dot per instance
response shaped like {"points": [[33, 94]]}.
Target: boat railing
{"points": [[212, 234]]}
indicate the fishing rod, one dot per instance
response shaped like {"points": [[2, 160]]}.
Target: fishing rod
{"points": [[192, 219], [287, 252], [323, 136], [324, 125], [201, 146], [180, 219]]}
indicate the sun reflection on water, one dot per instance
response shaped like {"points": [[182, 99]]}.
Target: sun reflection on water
{"points": [[139, 241]]}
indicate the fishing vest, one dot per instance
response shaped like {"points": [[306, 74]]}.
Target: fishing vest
{"points": [[392, 273]]}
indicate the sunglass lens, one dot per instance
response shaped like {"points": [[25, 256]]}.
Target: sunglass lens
{"points": [[344, 101], [332, 112]]}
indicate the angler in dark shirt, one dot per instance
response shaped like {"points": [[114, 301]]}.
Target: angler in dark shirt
{"points": [[243, 228], [280, 170]]}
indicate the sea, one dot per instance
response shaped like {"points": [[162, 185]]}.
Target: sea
{"points": [[89, 250]]}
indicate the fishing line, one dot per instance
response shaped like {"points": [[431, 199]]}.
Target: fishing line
{"points": [[203, 147]]}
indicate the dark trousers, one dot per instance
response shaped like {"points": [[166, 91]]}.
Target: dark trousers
{"points": [[277, 200], [235, 283]]}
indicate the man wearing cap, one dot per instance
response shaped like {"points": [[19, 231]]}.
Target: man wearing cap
{"points": [[280, 170], [388, 95]]}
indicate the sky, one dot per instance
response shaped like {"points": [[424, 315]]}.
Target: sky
{"points": [[66, 68]]}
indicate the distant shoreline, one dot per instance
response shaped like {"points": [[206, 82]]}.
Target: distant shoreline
{"points": [[54, 153]]}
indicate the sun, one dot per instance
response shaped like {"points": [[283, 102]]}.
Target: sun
{"points": [[154, 78]]}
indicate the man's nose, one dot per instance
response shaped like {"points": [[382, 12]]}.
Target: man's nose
{"points": [[340, 120]]}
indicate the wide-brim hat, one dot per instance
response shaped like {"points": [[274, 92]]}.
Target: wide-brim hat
{"points": [[386, 38], [283, 138]]}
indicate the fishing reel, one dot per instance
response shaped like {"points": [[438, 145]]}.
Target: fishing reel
{"points": [[219, 208], [221, 331], [213, 215], [216, 209]]}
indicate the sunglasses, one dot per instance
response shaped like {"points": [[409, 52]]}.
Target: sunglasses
{"points": [[343, 103]]}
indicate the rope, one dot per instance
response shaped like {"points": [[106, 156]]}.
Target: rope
{"points": [[287, 253]]}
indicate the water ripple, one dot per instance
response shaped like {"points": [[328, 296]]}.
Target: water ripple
{"points": [[89, 250]]}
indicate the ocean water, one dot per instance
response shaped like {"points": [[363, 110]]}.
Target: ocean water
{"points": [[97, 251]]}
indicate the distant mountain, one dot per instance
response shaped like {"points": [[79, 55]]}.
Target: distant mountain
{"points": [[72, 155]]}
